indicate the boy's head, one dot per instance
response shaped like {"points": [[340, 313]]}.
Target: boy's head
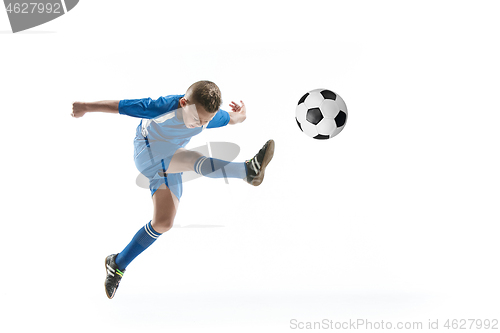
{"points": [[205, 96]]}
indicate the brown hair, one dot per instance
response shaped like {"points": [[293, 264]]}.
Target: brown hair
{"points": [[206, 94]]}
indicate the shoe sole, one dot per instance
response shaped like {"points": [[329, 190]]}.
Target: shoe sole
{"points": [[106, 268], [267, 158]]}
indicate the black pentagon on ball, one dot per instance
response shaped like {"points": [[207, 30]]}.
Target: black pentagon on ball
{"points": [[303, 98], [299, 124], [340, 118], [321, 137], [327, 94], [314, 116]]}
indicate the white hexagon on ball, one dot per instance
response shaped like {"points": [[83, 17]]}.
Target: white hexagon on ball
{"points": [[314, 99], [326, 126], [329, 108], [300, 113], [309, 129]]}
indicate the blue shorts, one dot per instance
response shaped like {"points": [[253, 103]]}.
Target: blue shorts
{"points": [[152, 158]]}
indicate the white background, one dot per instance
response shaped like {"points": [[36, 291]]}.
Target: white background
{"points": [[395, 219]]}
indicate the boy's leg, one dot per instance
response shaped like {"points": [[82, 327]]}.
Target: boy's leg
{"points": [[165, 205], [251, 170], [187, 160]]}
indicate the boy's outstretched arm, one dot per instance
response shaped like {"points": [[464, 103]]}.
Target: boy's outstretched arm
{"points": [[239, 113], [80, 108]]}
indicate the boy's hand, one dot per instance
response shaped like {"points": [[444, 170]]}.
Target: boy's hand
{"points": [[236, 108], [79, 110], [239, 113]]}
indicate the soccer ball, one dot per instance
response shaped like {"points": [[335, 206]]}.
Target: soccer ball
{"points": [[321, 114]]}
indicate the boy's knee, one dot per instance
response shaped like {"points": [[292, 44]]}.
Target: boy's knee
{"points": [[162, 225], [195, 156], [183, 160]]}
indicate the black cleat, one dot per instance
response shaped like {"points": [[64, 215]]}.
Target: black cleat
{"points": [[257, 164], [113, 276]]}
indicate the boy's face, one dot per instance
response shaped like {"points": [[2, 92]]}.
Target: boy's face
{"points": [[194, 115]]}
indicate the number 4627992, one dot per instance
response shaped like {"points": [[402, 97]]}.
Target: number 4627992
{"points": [[471, 323], [34, 7]]}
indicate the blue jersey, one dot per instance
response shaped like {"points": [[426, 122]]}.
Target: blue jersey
{"points": [[162, 119], [160, 134]]}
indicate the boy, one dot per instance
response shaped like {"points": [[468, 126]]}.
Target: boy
{"points": [[167, 126]]}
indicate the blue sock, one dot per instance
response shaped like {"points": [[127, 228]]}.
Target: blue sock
{"points": [[141, 241], [215, 168]]}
